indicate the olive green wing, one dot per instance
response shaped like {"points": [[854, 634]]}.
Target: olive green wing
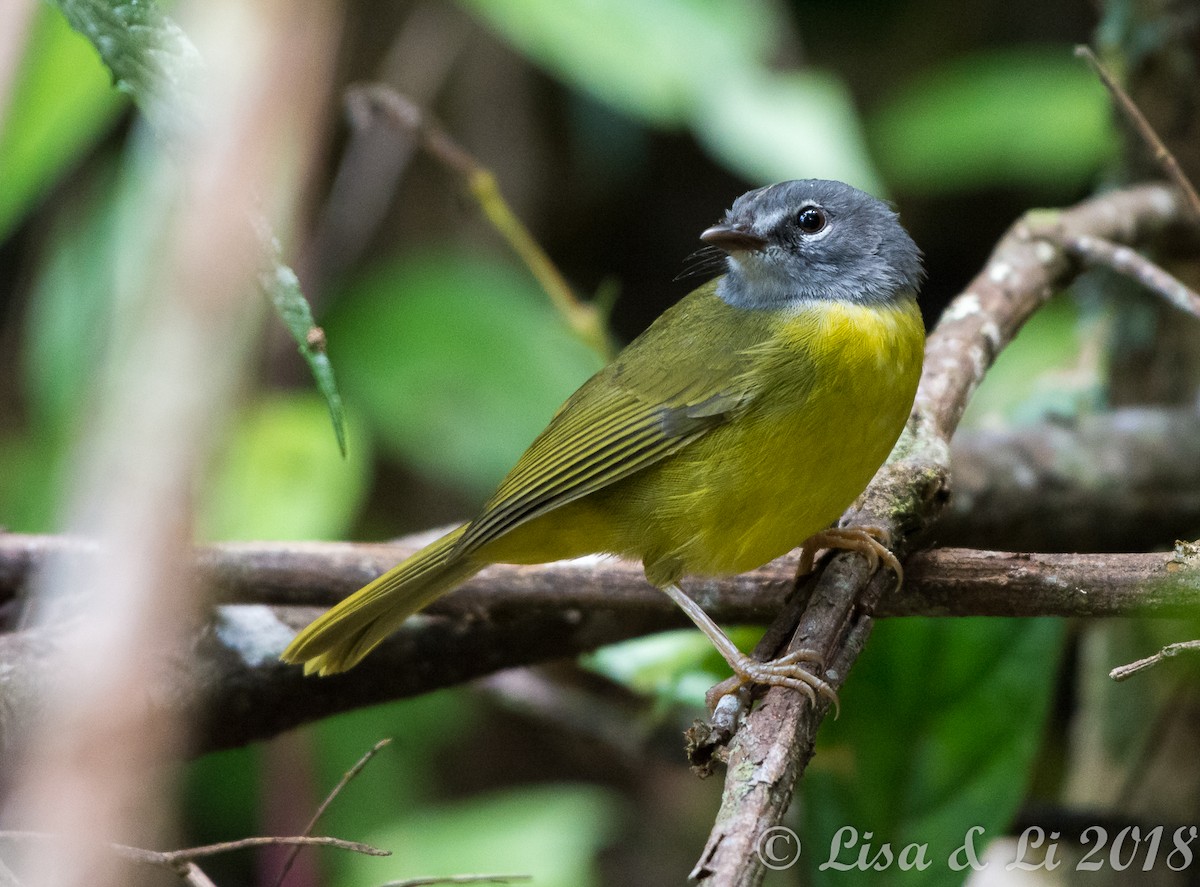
{"points": [[683, 377]]}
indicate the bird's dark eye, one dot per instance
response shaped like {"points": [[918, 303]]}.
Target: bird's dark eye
{"points": [[810, 220]]}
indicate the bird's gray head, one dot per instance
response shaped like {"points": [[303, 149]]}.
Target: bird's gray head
{"points": [[813, 239]]}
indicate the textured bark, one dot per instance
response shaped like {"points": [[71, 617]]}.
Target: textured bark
{"points": [[509, 616]]}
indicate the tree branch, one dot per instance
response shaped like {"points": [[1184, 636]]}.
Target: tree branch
{"points": [[511, 616], [293, 576], [1128, 480], [1162, 155]]}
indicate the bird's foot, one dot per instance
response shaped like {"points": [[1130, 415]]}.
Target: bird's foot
{"points": [[873, 543], [786, 671]]}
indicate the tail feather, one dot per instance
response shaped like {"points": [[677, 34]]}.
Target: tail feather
{"points": [[340, 638]]}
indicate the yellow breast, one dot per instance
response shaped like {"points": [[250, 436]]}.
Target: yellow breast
{"points": [[836, 384], [832, 385]]}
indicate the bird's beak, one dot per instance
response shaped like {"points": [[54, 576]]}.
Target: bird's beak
{"points": [[732, 238]]}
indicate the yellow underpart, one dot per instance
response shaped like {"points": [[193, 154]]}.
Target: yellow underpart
{"points": [[831, 391]]}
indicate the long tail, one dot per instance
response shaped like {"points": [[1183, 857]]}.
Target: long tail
{"points": [[340, 638]]}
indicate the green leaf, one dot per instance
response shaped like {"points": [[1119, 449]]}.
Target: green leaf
{"points": [[153, 61], [30, 477], [702, 64], [62, 100], [792, 125], [650, 60], [673, 666], [283, 289], [940, 723], [279, 477], [456, 362], [1029, 116], [150, 57]]}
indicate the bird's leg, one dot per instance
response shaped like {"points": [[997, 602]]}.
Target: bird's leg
{"points": [[873, 543], [786, 671]]}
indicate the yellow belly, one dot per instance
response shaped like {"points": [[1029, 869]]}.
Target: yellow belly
{"points": [[834, 387]]}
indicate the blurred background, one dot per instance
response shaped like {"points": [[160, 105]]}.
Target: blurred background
{"points": [[618, 130]]}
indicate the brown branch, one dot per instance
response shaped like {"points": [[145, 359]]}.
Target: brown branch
{"points": [[1096, 251], [511, 616], [1128, 480], [1162, 154], [1022, 272], [293, 576], [767, 755]]}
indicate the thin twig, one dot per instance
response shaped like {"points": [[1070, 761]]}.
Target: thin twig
{"points": [[193, 853], [337, 789], [458, 879], [367, 100], [183, 862], [1097, 251], [194, 876], [1162, 154], [1125, 672]]}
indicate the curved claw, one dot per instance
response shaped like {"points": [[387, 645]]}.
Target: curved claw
{"points": [[873, 543], [786, 671]]}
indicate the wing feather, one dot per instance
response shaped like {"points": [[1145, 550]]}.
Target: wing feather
{"points": [[662, 394]]}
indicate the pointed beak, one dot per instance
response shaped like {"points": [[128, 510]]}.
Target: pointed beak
{"points": [[732, 238]]}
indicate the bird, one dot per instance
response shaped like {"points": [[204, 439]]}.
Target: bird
{"points": [[740, 425]]}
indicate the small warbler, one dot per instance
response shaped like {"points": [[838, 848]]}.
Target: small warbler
{"points": [[739, 425]]}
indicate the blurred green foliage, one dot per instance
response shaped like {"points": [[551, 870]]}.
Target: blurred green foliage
{"points": [[451, 362], [62, 102], [954, 749], [704, 65], [70, 315], [1023, 116], [279, 475], [455, 361], [66, 334], [549, 832], [675, 667]]}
